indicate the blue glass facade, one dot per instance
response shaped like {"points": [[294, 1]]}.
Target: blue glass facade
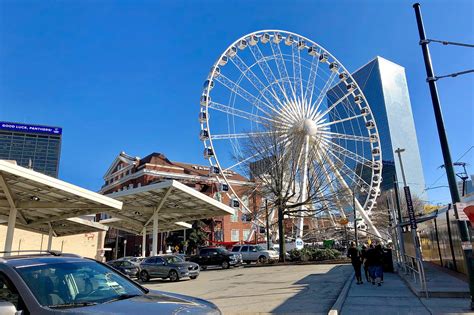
{"points": [[385, 88]]}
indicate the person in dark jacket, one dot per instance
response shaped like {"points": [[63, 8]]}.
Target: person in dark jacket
{"points": [[354, 254], [363, 255], [375, 261]]}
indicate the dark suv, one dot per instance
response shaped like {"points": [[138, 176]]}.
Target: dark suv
{"points": [[216, 256], [69, 284]]}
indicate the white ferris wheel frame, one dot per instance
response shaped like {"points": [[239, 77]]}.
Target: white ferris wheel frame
{"points": [[375, 180]]}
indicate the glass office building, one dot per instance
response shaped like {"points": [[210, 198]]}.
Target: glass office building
{"points": [[385, 88], [33, 146]]}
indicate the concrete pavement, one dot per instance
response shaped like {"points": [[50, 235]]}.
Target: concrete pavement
{"points": [[290, 289]]}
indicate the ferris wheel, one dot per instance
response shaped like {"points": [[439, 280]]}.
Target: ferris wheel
{"points": [[286, 80]]}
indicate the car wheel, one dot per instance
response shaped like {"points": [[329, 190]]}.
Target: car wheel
{"points": [[144, 276], [173, 276], [193, 277], [225, 265], [262, 259]]}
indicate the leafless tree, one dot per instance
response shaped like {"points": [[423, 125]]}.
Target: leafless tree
{"points": [[277, 165]]}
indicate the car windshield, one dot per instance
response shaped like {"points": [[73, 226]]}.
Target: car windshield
{"points": [[222, 250], [173, 259], [76, 284]]}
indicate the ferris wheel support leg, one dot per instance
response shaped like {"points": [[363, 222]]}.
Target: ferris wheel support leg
{"points": [[304, 192], [358, 206]]}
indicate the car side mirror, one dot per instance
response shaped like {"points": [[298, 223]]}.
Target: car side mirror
{"points": [[8, 308]]}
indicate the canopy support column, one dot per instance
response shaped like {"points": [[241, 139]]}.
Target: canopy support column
{"points": [[154, 251], [50, 238], [144, 242], [11, 216]]}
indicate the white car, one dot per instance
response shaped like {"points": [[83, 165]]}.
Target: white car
{"points": [[255, 253]]}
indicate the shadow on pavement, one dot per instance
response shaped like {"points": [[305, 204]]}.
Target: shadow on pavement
{"points": [[318, 292]]}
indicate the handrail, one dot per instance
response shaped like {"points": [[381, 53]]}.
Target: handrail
{"points": [[414, 266]]}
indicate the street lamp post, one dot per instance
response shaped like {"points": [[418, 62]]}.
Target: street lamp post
{"points": [[443, 139], [355, 217], [410, 209]]}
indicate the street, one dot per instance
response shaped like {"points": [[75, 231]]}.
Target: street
{"points": [[276, 289]]}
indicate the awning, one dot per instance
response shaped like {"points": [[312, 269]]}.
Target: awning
{"points": [[35, 200], [123, 225], [171, 200], [71, 226]]}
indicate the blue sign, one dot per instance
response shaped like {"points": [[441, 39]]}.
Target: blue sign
{"points": [[30, 128]]}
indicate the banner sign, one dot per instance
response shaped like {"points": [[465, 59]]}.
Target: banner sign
{"points": [[411, 210], [30, 128]]}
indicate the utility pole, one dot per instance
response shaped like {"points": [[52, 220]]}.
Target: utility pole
{"points": [[443, 139], [411, 211], [399, 223]]}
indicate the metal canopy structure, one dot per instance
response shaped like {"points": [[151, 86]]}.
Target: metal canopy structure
{"points": [[124, 225], [168, 202], [35, 200], [67, 227]]}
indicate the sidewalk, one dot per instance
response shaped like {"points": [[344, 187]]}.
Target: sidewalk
{"points": [[393, 297], [440, 283]]}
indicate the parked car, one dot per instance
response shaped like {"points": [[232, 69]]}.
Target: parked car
{"points": [[126, 267], [69, 284], [255, 253], [216, 256], [167, 266], [134, 260]]}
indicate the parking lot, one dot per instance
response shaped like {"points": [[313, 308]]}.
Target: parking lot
{"points": [[268, 289]]}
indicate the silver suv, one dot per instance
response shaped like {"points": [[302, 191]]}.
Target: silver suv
{"points": [[255, 253], [64, 283], [167, 266]]}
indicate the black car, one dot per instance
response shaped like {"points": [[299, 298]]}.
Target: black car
{"points": [[126, 267], [216, 256]]}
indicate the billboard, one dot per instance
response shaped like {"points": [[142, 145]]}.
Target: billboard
{"points": [[30, 128]]}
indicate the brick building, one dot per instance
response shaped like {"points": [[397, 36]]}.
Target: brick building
{"points": [[127, 172]]}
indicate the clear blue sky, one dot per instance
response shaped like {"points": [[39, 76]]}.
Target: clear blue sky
{"points": [[127, 75]]}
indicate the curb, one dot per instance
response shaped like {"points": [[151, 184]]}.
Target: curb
{"points": [[337, 306]]}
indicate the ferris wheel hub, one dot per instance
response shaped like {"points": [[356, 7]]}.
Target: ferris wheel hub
{"points": [[310, 128]]}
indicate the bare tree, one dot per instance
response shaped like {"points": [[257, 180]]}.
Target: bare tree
{"points": [[292, 171]]}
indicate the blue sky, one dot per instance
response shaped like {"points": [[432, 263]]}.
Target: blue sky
{"points": [[127, 75]]}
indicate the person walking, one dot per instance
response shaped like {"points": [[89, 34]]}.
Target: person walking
{"points": [[363, 255], [354, 254], [378, 263]]}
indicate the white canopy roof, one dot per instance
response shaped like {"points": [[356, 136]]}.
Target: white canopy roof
{"points": [[65, 227], [124, 225], [171, 200], [36, 200]]}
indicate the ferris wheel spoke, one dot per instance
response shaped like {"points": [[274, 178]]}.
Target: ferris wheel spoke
{"points": [[281, 66], [268, 73], [257, 83], [342, 120], [312, 78], [323, 92], [249, 97], [333, 105], [238, 135], [331, 184], [334, 147], [296, 58], [336, 135], [348, 170], [242, 114]]}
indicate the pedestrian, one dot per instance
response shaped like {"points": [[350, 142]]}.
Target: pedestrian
{"points": [[354, 254], [370, 262], [375, 260], [363, 255]]}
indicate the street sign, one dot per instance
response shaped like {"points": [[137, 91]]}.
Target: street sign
{"points": [[299, 244], [411, 210], [344, 221]]}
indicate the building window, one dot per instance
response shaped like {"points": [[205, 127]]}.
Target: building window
{"points": [[245, 234], [235, 236], [235, 216]]}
